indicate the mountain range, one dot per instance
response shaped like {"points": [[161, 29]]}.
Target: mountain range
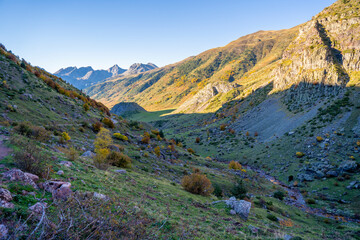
{"points": [[86, 76]]}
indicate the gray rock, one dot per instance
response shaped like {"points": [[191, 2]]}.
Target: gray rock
{"points": [[5, 195], [353, 184], [253, 229], [66, 163], [287, 237], [18, 175], [348, 166], [59, 189], [38, 208], [232, 212], [88, 154], [305, 177], [60, 172], [100, 196], [240, 207], [121, 171]]}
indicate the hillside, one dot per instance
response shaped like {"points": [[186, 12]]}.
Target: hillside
{"points": [[172, 85]]}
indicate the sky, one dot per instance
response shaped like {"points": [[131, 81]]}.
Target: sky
{"points": [[56, 34]]}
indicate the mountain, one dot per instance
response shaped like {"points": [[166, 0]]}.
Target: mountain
{"points": [[87, 76], [139, 68], [125, 108]]}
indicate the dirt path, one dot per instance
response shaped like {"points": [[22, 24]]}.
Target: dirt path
{"points": [[4, 151], [297, 200]]}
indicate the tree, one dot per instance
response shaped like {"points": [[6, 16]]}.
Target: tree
{"points": [[102, 142]]}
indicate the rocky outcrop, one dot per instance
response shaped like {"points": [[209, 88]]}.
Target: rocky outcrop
{"points": [[240, 207], [18, 175], [125, 108], [200, 101], [321, 59]]}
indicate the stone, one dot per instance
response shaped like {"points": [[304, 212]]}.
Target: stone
{"points": [[59, 189], [5, 198], [253, 229], [232, 212], [100, 196], [305, 177], [18, 175], [5, 195], [66, 163], [3, 232], [287, 237], [60, 172], [121, 171], [32, 176], [348, 166], [38, 208], [88, 154], [332, 173], [353, 184], [240, 207]]}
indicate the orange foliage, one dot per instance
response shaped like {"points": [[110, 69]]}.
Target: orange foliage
{"points": [[197, 183]]}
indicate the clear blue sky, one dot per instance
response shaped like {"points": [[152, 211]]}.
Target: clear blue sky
{"points": [[54, 34]]}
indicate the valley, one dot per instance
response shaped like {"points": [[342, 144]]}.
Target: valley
{"points": [[259, 139]]}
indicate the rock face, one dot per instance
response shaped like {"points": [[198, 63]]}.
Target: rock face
{"points": [[240, 207], [86, 76], [139, 68], [200, 101], [322, 57], [18, 175], [125, 108]]}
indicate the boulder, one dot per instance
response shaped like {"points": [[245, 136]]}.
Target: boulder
{"points": [[18, 175], [253, 229], [332, 173], [60, 172], [348, 166], [354, 185], [88, 154], [121, 171], [305, 177], [38, 208], [100, 196], [66, 163], [59, 189], [240, 207], [5, 198], [3, 232]]}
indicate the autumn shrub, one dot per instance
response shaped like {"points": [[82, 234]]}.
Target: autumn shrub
{"points": [[86, 107], [97, 126], [107, 122], [120, 136], [24, 128], [72, 154], [256, 134], [157, 151], [156, 132], [272, 217], [197, 183], [300, 154], [36, 132], [146, 138], [118, 159], [190, 150], [222, 127], [102, 142], [235, 165], [310, 201], [65, 137], [29, 157], [197, 140], [247, 134], [319, 139]]}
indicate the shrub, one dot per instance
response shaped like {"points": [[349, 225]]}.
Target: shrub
{"points": [[120, 136], [190, 150], [157, 151], [235, 165], [108, 123], [247, 134], [118, 159], [65, 137], [218, 191], [222, 127], [102, 142], [272, 217], [155, 132], [319, 139], [197, 140], [310, 201], [81, 129], [40, 133], [146, 139], [300, 154], [358, 143], [30, 158], [256, 134], [197, 183], [239, 190], [86, 107], [279, 195], [72, 154], [97, 126], [24, 128]]}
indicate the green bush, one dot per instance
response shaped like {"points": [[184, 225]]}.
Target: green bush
{"points": [[108, 122], [279, 195], [272, 217], [239, 190]]}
